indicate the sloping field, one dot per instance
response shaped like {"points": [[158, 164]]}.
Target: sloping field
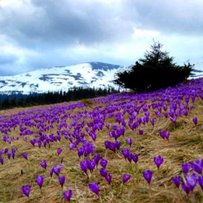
{"points": [[120, 148]]}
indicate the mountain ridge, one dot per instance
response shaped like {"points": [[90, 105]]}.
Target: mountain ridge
{"points": [[52, 79]]}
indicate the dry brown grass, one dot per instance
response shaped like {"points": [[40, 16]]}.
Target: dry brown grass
{"points": [[184, 145]]}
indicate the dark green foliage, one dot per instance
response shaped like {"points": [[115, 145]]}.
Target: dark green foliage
{"points": [[156, 70], [20, 100]]}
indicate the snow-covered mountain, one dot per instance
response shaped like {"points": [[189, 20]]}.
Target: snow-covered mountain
{"points": [[94, 74]]}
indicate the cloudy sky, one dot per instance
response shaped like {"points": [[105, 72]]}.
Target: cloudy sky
{"points": [[44, 33]]}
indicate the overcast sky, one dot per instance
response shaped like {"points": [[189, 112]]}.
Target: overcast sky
{"points": [[44, 33]]}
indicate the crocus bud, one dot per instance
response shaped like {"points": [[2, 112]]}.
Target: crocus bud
{"points": [[125, 178], [25, 189], [147, 174], [158, 160], [61, 180], [195, 120], [40, 180], [67, 195], [94, 187]]}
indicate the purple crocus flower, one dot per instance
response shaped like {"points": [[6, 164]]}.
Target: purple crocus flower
{"points": [[25, 189], [40, 180], [97, 158], [13, 152], [88, 148], [129, 141], [72, 146], [126, 177], [59, 151], [39, 143], [9, 155], [61, 180], [152, 121], [134, 157], [94, 187], [167, 135], [196, 167], [147, 174], [164, 134], [125, 152], [191, 180], [51, 171], [173, 118], [43, 164], [108, 178], [84, 166], [195, 120], [33, 142], [67, 195], [158, 160], [200, 181], [103, 172], [1, 160], [176, 180], [93, 135], [80, 151], [103, 163], [110, 145], [186, 187], [5, 150], [117, 144], [141, 132], [185, 168], [57, 169], [25, 155], [129, 157], [91, 164]]}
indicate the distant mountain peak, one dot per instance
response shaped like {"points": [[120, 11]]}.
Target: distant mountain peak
{"points": [[103, 66], [93, 74]]}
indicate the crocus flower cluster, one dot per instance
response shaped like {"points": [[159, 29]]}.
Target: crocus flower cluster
{"points": [[91, 164], [112, 145], [192, 176], [104, 173], [55, 170], [127, 154], [164, 134], [48, 128]]}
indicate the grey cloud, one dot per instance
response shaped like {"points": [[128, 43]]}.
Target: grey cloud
{"points": [[47, 28], [50, 23], [169, 17]]}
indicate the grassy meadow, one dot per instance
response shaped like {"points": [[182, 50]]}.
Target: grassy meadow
{"points": [[69, 126]]}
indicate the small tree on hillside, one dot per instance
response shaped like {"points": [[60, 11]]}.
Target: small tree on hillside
{"points": [[156, 70]]}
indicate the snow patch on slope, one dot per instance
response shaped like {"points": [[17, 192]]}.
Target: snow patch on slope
{"points": [[94, 74]]}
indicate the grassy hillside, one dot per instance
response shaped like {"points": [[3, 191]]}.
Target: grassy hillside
{"points": [[71, 137]]}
